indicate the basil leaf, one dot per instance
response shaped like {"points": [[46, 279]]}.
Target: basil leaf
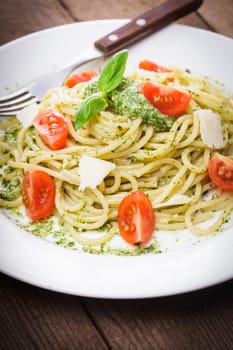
{"points": [[88, 108], [112, 73]]}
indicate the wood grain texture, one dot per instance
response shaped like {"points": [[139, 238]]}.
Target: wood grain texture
{"points": [[21, 17], [33, 318], [83, 11], [219, 15], [102, 9], [213, 14], [155, 19], [200, 320]]}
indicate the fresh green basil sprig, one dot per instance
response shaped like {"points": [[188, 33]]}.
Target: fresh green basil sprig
{"points": [[110, 77], [90, 107]]}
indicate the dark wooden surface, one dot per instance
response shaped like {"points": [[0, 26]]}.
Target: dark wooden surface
{"points": [[33, 318]]}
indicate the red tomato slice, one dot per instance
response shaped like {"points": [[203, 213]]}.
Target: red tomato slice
{"points": [[38, 194], [136, 219], [81, 77], [220, 171], [153, 67], [52, 128], [165, 98]]}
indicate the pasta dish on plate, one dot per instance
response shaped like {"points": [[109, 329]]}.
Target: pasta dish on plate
{"points": [[121, 152]]}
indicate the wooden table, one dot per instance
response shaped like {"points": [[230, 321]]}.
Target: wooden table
{"points": [[33, 318]]}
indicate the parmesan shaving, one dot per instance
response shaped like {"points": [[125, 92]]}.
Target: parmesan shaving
{"points": [[92, 171], [210, 128]]}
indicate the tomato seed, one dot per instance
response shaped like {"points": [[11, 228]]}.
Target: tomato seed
{"points": [[133, 208], [221, 171], [229, 175], [52, 131], [54, 125], [44, 120], [132, 228]]}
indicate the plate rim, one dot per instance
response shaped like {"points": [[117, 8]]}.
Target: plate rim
{"points": [[33, 239]]}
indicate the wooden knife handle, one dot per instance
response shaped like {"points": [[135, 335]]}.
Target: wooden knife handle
{"points": [[147, 23]]}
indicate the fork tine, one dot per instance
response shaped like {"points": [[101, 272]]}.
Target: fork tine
{"points": [[8, 114], [14, 109], [13, 95], [13, 101]]}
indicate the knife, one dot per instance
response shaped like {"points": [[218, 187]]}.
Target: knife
{"points": [[143, 25], [147, 23], [150, 21]]}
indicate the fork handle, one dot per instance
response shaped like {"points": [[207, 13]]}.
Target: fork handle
{"points": [[148, 22]]}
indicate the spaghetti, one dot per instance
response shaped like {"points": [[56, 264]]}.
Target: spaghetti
{"points": [[161, 164]]}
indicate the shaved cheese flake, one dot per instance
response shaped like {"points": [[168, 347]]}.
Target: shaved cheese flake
{"points": [[92, 171], [177, 199], [210, 128], [26, 115]]}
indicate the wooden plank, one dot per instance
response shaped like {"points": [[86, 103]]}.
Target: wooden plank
{"points": [[82, 10], [219, 15], [21, 17], [177, 322], [33, 318], [104, 9]]}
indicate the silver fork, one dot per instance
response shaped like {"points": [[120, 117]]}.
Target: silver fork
{"points": [[12, 103], [139, 27]]}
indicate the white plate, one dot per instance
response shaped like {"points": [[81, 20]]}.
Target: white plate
{"points": [[43, 264]]}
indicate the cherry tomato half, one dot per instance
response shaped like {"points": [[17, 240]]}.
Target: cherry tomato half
{"points": [[80, 77], [38, 194], [52, 128], [165, 98], [220, 171], [153, 67], [136, 219]]}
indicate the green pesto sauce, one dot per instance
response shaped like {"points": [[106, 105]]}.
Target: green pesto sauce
{"points": [[10, 135], [51, 231], [9, 189], [127, 100], [54, 231], [136, 251]]}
